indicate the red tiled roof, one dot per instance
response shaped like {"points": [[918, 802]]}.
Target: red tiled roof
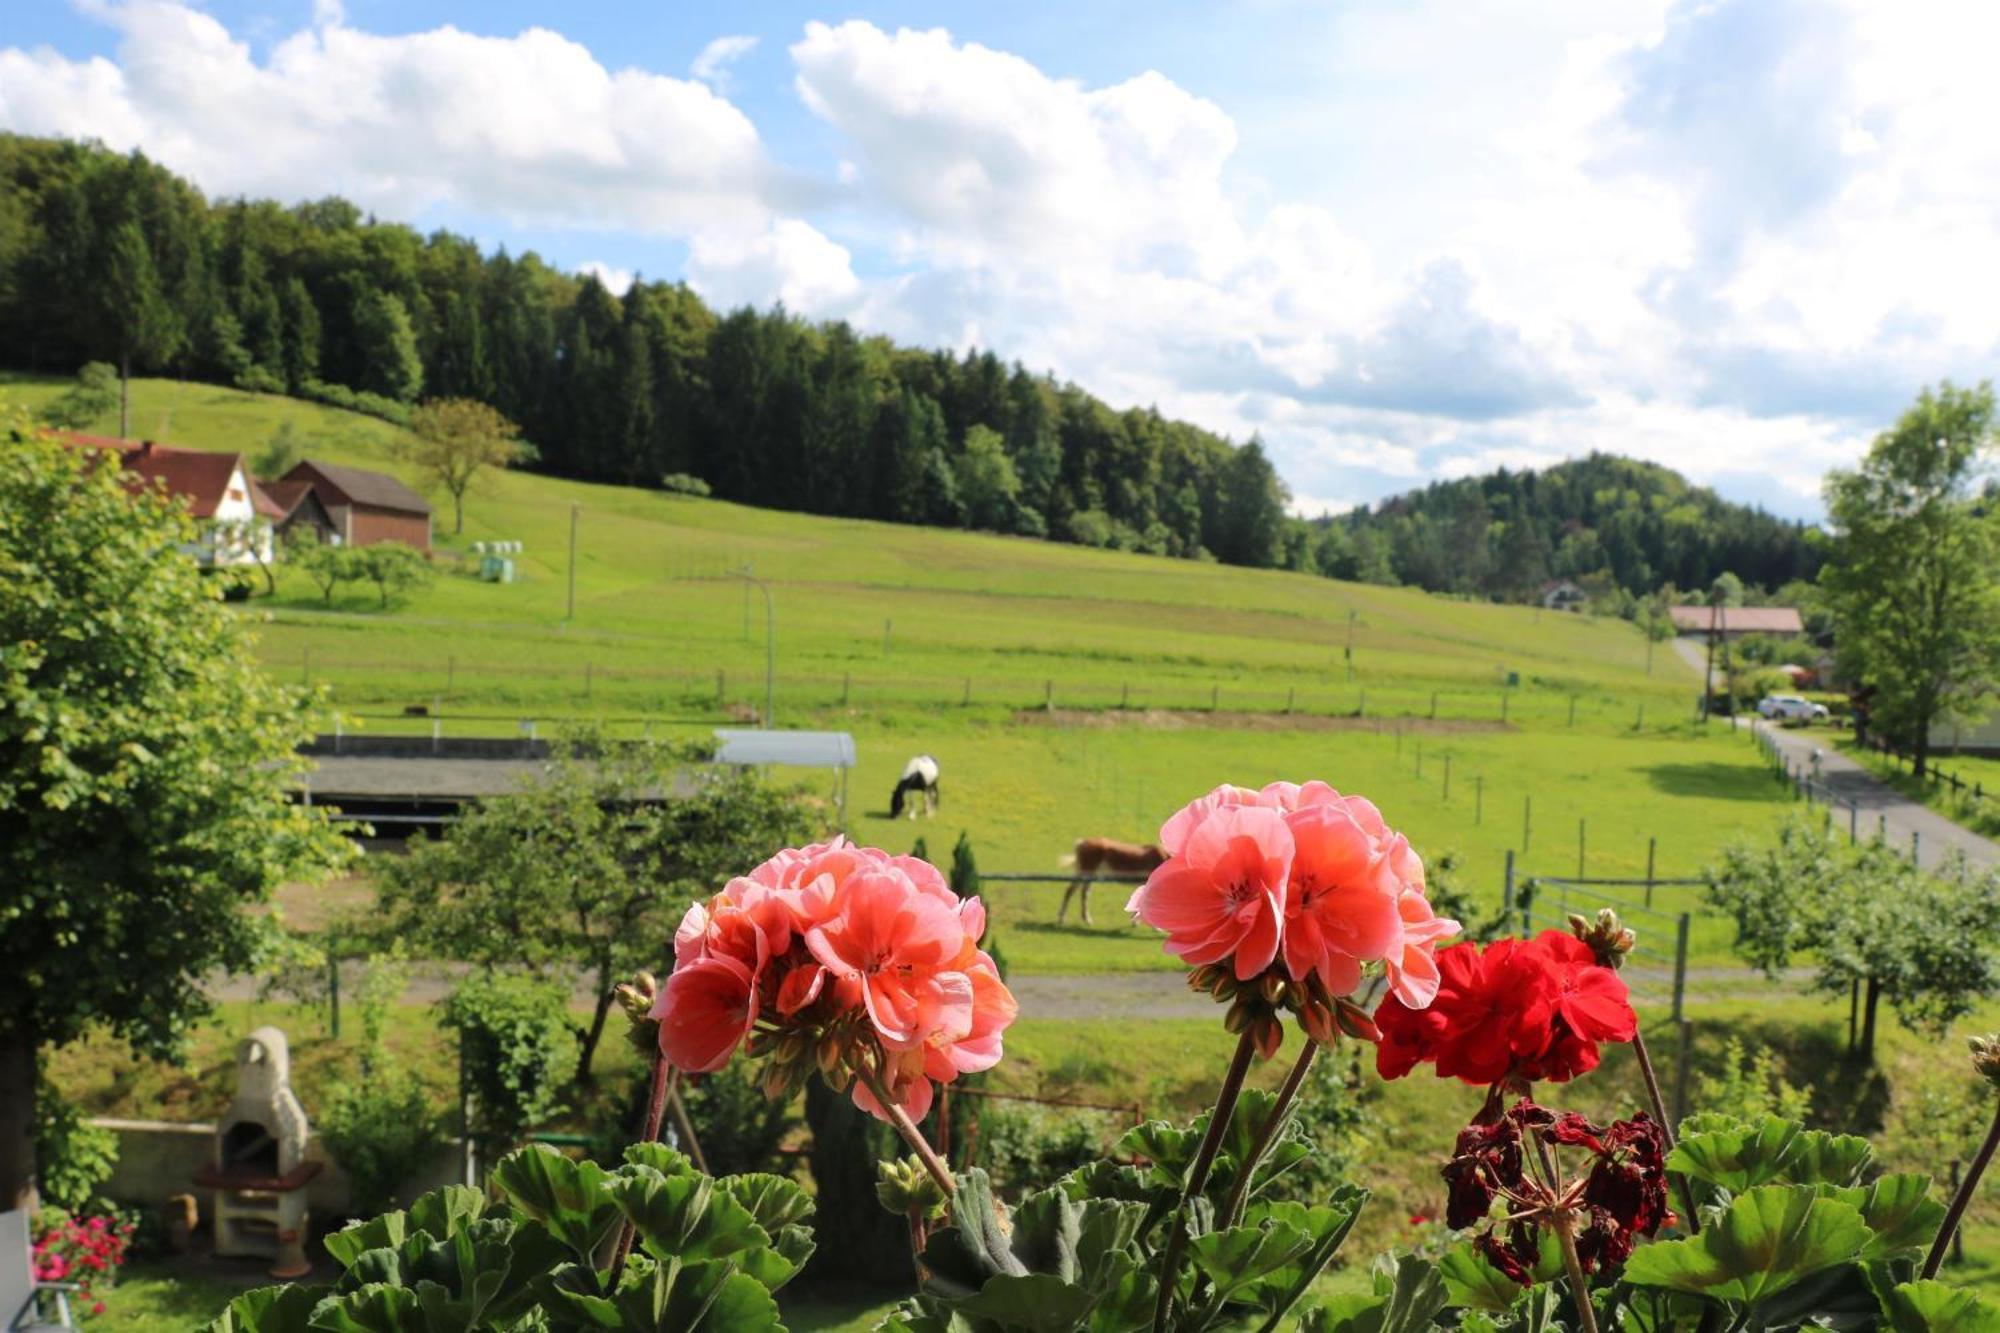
{"points": [[200, 477], [1739, 619]]}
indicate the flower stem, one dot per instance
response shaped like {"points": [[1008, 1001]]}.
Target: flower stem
{"points": [[686, 1128], [1239, 1193], [900, 1122], [1961, 1200], [1211, 1143], [1666, 1125], [1564, 1222], [664, 1078]]}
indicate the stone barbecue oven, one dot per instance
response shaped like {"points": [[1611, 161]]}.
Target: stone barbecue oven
{"points": [[260, 1170]]}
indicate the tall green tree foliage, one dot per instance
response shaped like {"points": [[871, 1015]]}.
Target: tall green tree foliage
{"points": [[1913, 576], [144, 762], [587, 869]]}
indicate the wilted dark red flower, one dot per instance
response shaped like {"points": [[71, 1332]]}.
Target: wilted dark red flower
{"points": [[1621, 1196], [1519, 1010]]}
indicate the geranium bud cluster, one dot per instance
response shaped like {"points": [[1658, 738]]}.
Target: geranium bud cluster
{"points": [[1986, 1057], [636, 999], [1256, 1005], [1618, 1195], [1513, 1012], [1283, 897], [906, 1187], [846, 960], [1608, 938]]}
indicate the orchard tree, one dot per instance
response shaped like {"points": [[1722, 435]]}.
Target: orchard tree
{"points": [[587, 870], [1875, 924], [456, 439], [144, 767], [1913, 576], [392, 567]]}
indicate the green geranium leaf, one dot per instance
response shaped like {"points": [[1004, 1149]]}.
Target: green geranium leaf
{"points": [[1035, 1302], [286, 1309], [1819, 1158], [977, 1245], [1168, 1148], [1933, 1307], [688, 1217], [571, 1199], [1898, 1209], [377, 1308], [1739, 1158], [1470, 1282], [1241, 1255], [443, 1211], [774, 1201], [1767, 1239], [667, 1161], [356, 1239], [705, 1297]]}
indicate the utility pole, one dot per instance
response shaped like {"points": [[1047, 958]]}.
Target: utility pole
{"points": [[770, 642], [571, 613]]}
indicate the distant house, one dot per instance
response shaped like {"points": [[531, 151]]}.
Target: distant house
{"points": [[1732, 621], [367, 507], [294, 506], [1562, 595], [234, 528]]}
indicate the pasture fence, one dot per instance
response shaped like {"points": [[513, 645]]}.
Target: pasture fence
{"points": [[1809, 787]]}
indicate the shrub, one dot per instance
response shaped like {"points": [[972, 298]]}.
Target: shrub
{"points": [[354, 400], [73, 1156], [86, 1250], [1022, 1144], [740, 1128], [1751, 1085], [259, 379], [681, 483], [383, 1130], [515, 1046]]}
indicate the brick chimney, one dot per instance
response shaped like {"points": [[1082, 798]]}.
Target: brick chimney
{"points": [[145, 449]]}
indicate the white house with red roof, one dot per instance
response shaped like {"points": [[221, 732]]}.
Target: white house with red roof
{"points": [[233, 515]]}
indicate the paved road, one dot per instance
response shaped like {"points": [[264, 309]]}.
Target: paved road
{"points": [[1862, 801], [1868, 805]]}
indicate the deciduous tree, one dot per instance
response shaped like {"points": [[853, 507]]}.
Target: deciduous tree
{"points": [[144, 766], [1913, 577], [454, 440]]}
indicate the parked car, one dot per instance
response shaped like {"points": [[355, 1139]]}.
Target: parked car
{"points": [[1790, 708]]}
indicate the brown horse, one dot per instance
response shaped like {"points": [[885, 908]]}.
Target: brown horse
{"points": [[1105, 856]]}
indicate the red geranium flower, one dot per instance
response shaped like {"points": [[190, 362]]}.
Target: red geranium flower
{"points": [[1517, 1010]]}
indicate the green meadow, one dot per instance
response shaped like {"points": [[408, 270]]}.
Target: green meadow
{"points": [[1066, 692]]}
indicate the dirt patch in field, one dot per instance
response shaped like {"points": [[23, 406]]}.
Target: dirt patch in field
{"points": [[1166, 719]]}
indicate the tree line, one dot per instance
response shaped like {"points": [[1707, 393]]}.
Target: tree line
{"points": [[113, 258], [1606, 523]]}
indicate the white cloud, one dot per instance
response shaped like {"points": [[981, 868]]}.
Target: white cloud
{"points": [[712, 65], [789, 262], [529, 128], [617, 281]]}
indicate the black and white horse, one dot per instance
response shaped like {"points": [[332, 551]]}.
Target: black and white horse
{"points": [[919, 775]]}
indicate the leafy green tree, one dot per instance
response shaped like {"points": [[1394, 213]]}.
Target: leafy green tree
{"points": [[390, 365], [325, 564], [394, 569], [1872, 922], [1913, 576], [587, 871], [279, 455], [454, 440], [144, 767], [985, 480], [93, 395]]}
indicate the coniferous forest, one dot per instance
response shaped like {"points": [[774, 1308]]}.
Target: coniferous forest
{"points": [[108, 257]]}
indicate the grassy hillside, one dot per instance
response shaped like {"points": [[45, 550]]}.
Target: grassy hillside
{"points": [[950, 643]]}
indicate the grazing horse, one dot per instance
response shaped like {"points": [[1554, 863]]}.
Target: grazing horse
{"points": [[919, 775], [1103, 856]]}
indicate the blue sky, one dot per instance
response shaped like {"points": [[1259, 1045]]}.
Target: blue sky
{"points": [[1397, 240]]}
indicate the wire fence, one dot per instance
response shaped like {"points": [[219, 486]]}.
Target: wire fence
{"points": [[1809, 786]]}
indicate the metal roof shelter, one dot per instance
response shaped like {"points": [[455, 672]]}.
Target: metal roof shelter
{"points": [[801, 749]]}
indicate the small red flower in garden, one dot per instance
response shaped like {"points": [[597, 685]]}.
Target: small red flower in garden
{"points": [[1287, 895], [1619, 1196], [1516, 1010], [841, 957], [85, 1251]]}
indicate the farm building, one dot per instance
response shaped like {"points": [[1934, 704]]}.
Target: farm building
{"points": [[294, 507], [1562, 595], [233, 517], [367, 507], [1731, 621]]}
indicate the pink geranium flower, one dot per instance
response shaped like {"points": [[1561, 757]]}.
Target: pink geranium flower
{"points": [[1340, 909], [1222, 895], [705, 1011], [895, 944]]}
